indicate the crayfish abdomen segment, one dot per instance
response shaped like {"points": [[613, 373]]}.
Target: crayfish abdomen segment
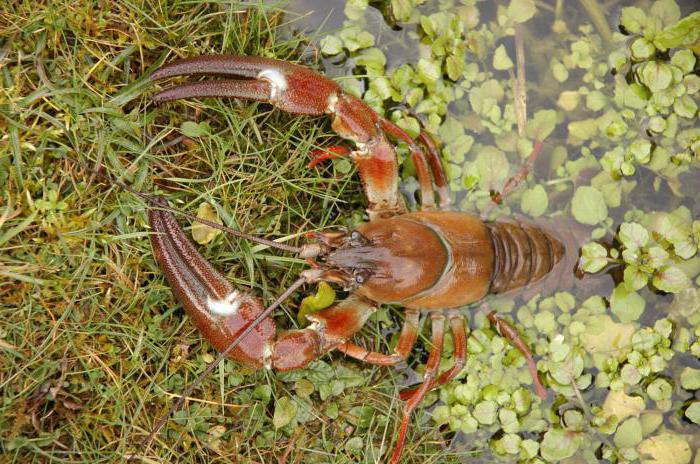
{"points": [[524, 254]]}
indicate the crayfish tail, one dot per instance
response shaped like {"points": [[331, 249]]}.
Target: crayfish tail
{"points": [[524, 254]]}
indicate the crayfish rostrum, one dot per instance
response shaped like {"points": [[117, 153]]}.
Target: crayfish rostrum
{"points": [[434, 260]]}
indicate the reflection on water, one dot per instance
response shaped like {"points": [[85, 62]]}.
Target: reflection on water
{"points": [[401, 45]]}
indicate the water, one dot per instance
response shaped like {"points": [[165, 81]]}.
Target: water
{"points": [[401, 44]]}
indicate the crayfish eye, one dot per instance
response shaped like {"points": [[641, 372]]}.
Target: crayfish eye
{"points": [[356, 239]]}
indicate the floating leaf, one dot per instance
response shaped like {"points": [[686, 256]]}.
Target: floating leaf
{"points": [[331, 45], [403, 9], [659, 390], [354, 9], [202, 233], [521, 10], [690, 378], [633, 236], [629, 433], [492, 166], [559, 444], [684, 59], [633, 19], [666, 448], [594, 257], [656, 75], [642, 49], [693, 412], [588, 206], [542, 124], [685, 32], [534, 201], [485, 412], [501, 60], [627, 305], [671, 279], [620, 405], [455, 67]]}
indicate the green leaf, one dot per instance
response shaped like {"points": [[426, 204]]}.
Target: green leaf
{"points": [[373, 59], [324, 297], [633, 236], [633, 19], [666, 448], [594, 257], [693, 412], [642, 49], [685, 32], [501, 60], [192, 129], [596, 100], [667, 11], [542, 124], [588, 206], [629, 433], [559, 71], [685, 106], [627, 305], [428, 71], [485, 412], [690, 378], [521, 10], [534, 201], [656, 75], [285, 411], [659, 390], [584, 129], [492, 166], [354, 9], [403, 9], [635, 278], [355, 38], [331, 45], [455, 67], [671, 279], [202, 233], [684, 59], [559, 444]]}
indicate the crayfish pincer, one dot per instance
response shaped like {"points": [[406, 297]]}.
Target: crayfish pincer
{"points": [[433, 260]]}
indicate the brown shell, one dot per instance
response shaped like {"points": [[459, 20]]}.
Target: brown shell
{"points": [[441, 259], [430, 260]]}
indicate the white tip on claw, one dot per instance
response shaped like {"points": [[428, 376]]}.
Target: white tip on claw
{"points": [[332, 101], [229, 305], [277, 80]]}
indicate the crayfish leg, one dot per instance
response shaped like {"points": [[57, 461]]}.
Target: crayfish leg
{"points": [[407, 338], [438, 169], [509, 333], [459, 341], [330, 328], [431, 369]]}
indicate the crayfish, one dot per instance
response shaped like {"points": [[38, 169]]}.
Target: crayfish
{"points": [[434, 260]]}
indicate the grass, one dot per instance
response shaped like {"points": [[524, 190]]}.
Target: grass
{"points": [[93, 346]]}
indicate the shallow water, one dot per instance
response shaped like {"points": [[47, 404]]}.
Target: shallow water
{"points": [[399, 43]]}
